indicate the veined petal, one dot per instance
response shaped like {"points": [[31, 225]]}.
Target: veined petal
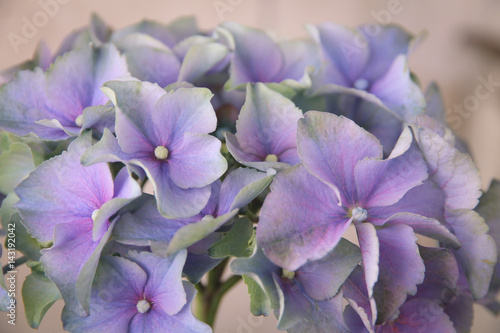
{"points": [[324, 140], [300, 219]]}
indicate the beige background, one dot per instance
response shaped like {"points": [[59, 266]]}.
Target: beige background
{"points": [[446, 56]]}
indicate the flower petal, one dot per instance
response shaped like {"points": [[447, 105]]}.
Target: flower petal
{"points": [[300, 219]]}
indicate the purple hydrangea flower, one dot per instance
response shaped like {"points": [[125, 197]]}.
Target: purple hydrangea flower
{"points": [[259, 58], [308, 299], [40, 102], [342, 181], [266, 130], [368, 65], [140, 293], [165, 134], [72, 205]]}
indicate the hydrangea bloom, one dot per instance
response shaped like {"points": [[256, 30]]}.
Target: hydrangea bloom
{"points": [[359, 62], [258, 58], [304, 217], [140, 293], [166, 105], [266, 130], [39, 102], [166, 134], [78, 220]]}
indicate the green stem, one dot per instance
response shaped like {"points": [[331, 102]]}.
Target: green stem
{"points": [[17, 262], [210, 296]]}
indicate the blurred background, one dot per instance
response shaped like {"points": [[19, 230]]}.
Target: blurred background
{"points": [[461, 49]]}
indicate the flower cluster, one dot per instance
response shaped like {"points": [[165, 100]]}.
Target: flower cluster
{"points": [[136, 161]]}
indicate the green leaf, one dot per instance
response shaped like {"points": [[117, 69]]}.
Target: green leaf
{"points": [[260, 305], [194, 232], [11, 220], [236, 243], [16, 162], [39, 293]]}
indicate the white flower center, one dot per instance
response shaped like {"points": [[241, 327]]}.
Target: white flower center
{"points": [[79, 121], [271, 158], [143, 306], [361, 84], [94, 214], [287, 274], [161, 152], [359, 214]]}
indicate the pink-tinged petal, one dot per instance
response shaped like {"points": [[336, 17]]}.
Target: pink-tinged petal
{"points": [[62, 191], [173, 201], [164, 286], [118, 286], [256, 57], [427, 227], [322, 279], [325, 140], [184, 110], [370, 252], [255, 161], [397, 278], [420, 315], [356, 294], [397, 90], [453, 171], [385, 182], [346, 50], [477, 256], [300, 219], [267, 125], [196, 161], [156, 320], [135, 129]]}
